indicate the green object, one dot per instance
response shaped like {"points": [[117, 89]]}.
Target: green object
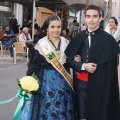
{"points": [[23, 97], [50, 56], [9, 100], [22, 94]]}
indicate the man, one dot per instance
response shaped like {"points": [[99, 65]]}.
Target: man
{"points": [[97, 94], [14, 25], [9, 41], [72, 28], [3, 36]]}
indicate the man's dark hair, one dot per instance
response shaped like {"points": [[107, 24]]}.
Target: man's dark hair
{"points": [[94, 7], [7, 26], [74, 21], [116, 22]]}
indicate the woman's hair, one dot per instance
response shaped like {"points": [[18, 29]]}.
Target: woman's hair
{"points": [[116, 22], [94, 7], [48, 20]]}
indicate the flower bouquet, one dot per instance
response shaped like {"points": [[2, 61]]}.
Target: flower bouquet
{"points": [[28, 85]]}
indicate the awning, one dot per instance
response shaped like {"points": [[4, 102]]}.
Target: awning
{"points": [[68, 2], [72, 2]]}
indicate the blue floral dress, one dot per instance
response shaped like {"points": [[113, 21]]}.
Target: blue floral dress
{"points": [[56, 98], [55, 101]]}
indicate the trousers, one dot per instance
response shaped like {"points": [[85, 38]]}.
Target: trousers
{"points": [[81, 98]]}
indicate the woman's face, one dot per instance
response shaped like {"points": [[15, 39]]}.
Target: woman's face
{"points": [[54, 29], [112, 23]]}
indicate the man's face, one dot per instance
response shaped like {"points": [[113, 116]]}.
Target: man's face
{"points": [[7, 28], [92, 19]]}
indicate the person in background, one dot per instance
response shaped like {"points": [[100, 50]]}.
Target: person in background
{"points": [[3, 35], [65, 34], [115, 32], [72, 27], [113, 29], [76, 30], [21, 30], [25, 37], [56, 98], [10, 39], [36, 26], [14, 25], [29, 24], [97, 93], [83, 27]]}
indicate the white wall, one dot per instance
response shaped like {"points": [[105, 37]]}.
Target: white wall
{"points": [[18, 12]]}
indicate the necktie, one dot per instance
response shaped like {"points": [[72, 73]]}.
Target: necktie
{"points": [[89, 37]]}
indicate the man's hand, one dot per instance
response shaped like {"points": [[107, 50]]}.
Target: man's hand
{"points": [[5, 34], [90, 67]]}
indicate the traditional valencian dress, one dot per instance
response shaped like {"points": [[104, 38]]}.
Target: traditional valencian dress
{"points": [[56, 98]]}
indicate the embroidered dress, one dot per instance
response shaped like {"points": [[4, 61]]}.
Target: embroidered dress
{"points": [[56, 98]]}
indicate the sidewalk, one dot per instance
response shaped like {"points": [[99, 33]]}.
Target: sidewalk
{"points": [[7, 59]]}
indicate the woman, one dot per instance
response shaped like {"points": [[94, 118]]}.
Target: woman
{"points": [[115, 32], [24, 37], [55, 101], [113, 28]]}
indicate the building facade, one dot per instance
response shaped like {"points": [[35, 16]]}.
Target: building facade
{"points": [[112, 8], [66, 9], [7, 9], [5, 12]]}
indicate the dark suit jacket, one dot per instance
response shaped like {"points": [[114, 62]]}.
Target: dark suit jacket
{"points": [[103, 93]]}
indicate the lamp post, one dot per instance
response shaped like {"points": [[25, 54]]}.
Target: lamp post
{"points": [[33, 19]]}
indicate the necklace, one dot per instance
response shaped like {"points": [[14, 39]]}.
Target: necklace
{"points": [[57, 49], [112, 32]]}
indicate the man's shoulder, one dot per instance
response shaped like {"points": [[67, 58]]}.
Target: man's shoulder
{"points": [[105, 34], [82, 33], [80, 37]]}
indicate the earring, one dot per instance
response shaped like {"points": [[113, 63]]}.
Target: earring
{"points": [[47, 33]]}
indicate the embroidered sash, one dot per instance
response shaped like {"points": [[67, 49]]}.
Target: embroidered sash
{"points": [[49, 53]]}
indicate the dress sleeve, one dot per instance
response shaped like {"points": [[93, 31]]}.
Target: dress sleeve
{"points": [[35, 64]]}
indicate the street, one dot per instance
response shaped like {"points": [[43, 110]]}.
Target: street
{"points": [[9, 73]]}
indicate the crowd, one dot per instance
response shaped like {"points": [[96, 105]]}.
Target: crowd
{"points": [[13, 33], [91, 52]]}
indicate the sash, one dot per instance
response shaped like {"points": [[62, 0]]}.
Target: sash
{"points": [[49, 53]]}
